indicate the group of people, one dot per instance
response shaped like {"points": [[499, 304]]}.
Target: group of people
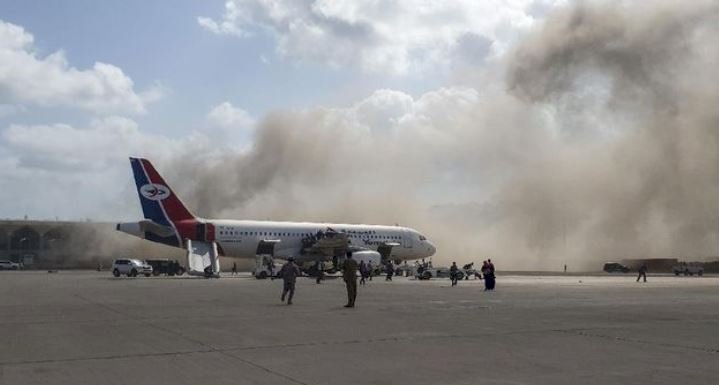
{"points": [[487, 271], [366, 270], [290, 271]]}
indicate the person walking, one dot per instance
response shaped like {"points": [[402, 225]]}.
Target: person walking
{"points": [[389, 269], [642, 272], [453, 273], [289, 273], [349, 273], [320, 271], [370, 270], [492, 278], [363, 273], [234, 268], [270, 263], [485, 274]]}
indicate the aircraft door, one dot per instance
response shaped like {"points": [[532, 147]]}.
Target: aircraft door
{"points": [[407, 239]]}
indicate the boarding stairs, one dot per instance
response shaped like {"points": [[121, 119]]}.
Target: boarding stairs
{"points": [[202, 259]]}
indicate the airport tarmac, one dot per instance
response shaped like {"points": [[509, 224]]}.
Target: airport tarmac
{"points": [[76, 328]]}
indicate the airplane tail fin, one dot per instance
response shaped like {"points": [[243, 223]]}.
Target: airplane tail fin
{"points": [[159, 202]]}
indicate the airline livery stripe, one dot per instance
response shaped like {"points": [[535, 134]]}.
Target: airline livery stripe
{"points": [[159, 203], [174, 208]]}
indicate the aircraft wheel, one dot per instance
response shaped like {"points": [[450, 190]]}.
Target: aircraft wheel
{"points": [[262, 275]]}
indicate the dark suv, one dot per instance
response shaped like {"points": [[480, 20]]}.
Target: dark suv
{"points": [[165, 266], [613, 267]]}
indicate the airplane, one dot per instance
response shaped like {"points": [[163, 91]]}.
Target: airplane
{"points": [[168, 221]]}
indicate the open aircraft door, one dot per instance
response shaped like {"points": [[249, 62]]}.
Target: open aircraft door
{"points": [[202, 259], [267, 247]]}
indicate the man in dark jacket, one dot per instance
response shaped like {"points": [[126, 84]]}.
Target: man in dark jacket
{"points": [[642, 272], [349, 273], [453, 273], [289, 274]]}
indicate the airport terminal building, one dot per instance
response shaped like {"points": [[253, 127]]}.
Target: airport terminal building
{"points": [[65, 244]]}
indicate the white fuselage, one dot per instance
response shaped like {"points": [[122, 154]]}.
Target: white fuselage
{"points": [[239, 238]]}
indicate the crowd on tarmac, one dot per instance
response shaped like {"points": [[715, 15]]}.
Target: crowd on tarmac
{"points": [[349, 267]]}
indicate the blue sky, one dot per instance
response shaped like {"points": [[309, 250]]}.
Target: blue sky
{"points": [[156, 42], [84, 84]]}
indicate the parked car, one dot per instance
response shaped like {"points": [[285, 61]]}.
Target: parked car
{"points": [[613, 267], [688, 268], [130, 267], [165, 266], [9, 265]]}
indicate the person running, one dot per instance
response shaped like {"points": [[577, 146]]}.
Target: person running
{"points": [[289, 273], [363, 273], [642, 272], [454, 273], [349, 273]]}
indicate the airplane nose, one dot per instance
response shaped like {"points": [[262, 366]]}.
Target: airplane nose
{"points": [[431, 249]]}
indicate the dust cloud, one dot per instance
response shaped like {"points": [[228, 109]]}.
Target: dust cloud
{"points": [[89, 244], [595, 138]]}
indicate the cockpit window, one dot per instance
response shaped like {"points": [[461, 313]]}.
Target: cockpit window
{"points": [[422, 237]]}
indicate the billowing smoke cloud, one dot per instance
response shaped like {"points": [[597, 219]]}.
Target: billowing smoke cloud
{"points": [[599, 142]]}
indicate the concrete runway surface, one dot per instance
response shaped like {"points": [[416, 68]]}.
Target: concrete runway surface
{"points": [[89, 328]]}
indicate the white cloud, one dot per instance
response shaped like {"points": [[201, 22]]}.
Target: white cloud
{"points": [[27, 78], [75, 172], [229, 125], [228, 116], [71, 149], [399, 36]]}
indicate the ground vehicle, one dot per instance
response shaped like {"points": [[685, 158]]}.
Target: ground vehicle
{"points": [[262, 267], [8, 265], [613, 267], [165, 266], [470, 271], [404, 270], [130, 267], [437, 272], [688, 268]]}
